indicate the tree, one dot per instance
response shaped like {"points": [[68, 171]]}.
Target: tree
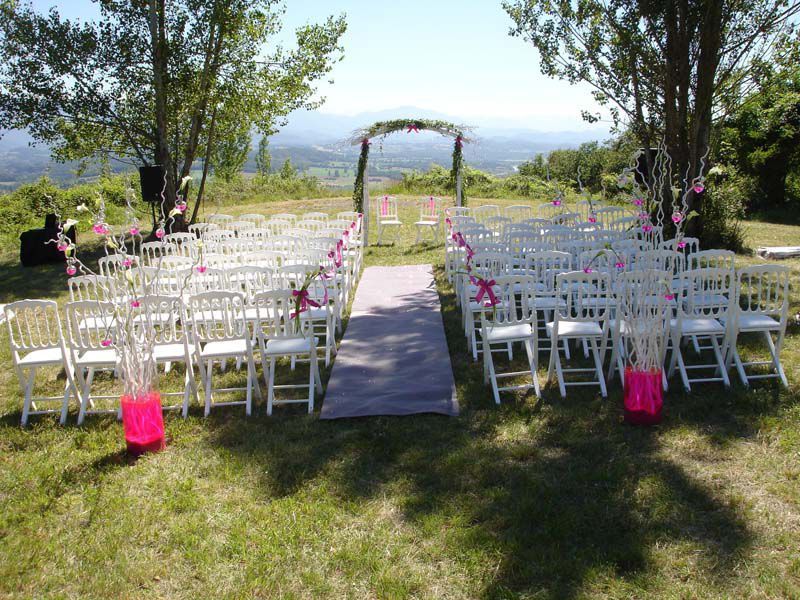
{"points": [[230, 151], [661, 67], [762, 137], [287, 170], [263, 158], [144, 82]]}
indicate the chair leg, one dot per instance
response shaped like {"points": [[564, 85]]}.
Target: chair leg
{"points": [[27, 389], [720, 361], [271, 386], [598, 366], [65, 403], [207, 387], [562, 387], [487, 352], [529, 348], [83, 398], [312, 371], [775, 353]]}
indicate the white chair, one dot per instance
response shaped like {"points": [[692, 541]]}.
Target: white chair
{"points": [[239, 226], [428, 218], [549, 210], [221, 333], [582, 313], [220, 219], [162, 320], [519, 212], [487, 265], [113, 264], [37, 340], [256, 218], [182, 243], [387, 216], [608, 214], [704, 310], [322, 318], [91, 287], [153, 252], [280, 336], [198, 228], [509, 322], [91, 327], [762, 308], [711, 259], [315, 216]]}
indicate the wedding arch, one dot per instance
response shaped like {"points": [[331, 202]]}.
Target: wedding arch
{"points": [[384, 128]]}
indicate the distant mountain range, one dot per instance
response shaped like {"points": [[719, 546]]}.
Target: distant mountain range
{"points": [[316, 142]]}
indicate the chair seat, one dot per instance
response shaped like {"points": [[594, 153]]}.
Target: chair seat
{"points": [[105, 357], [481, 306], [44, 356], [576, 329], [224, 348], [171, 352], [756, 322], [507, 333], [391, 222], [314, 314], [626, 328], [282, 347], [428, 223], [699, 326]]}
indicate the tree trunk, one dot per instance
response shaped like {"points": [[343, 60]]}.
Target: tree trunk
{"points": [[158, 43]]}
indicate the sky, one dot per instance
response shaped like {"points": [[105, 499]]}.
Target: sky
{"points": [[449, 56]]}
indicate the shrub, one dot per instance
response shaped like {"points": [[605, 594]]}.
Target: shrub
{"points": [[723, 208]]}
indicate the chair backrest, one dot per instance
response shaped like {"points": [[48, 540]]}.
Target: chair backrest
{"points": [[713, 259], [250, 280], [172, 262], [274, 310], [429, 208], [687, 245], [764, 289], [220, 219], [459, 211], [570, 219], [517, 296], [91, 287], [491, 264], [91, 325], [706, 293], [496, 223], [241, 225], [162, 319], [179, 238], [549, 210], [311, 225], [279, 226], [315, 216], [519, 212], [546, 266], [623, 223], [217, 235], [209, 280], [217, 316], [609, 214], [481, 213], [386, 208], [33, 325], [263, 258], [152, 252], [111, 265], [658, 260], [198, 228], [584, 296], [256, 218]]}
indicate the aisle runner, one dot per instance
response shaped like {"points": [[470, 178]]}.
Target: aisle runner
{"points": [[393, 359]]}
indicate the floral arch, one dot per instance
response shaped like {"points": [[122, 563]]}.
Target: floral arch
{"points": [[384, 128]]}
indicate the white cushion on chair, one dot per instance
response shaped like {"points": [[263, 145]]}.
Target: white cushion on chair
{"points": [[431, 223], [44, 356], [172, 352], [756, 322], [282, 347], [97, 357], [225, 348], [506, 333], [699, 326], [391, 222], [576, 329]]}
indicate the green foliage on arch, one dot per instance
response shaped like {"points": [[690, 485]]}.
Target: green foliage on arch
{"points": [[384, 128]]}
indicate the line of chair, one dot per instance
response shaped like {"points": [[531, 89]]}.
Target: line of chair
{"points": [[221, 292], [559, 284]]}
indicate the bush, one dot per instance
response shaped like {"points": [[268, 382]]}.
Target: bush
{"points": [[723, 208]]}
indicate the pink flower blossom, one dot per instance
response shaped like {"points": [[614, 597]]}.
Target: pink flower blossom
{"points": [[105, 343], [619, 264], [699, 188], [100, 228], [587, 270], [592, 219], [647, 228], [135, 304], [160, 233], [62, 247], [681, 245], [638, 201], [677, 217], [669, 297], [201, 268], [556, 202], [71, 270], [181, 207], [127, 263], [134, 231]]}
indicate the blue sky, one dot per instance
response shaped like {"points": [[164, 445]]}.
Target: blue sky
{"points": [[451, 56]]}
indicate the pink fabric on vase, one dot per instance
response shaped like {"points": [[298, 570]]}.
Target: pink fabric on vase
{"points": [[143, 423], [643, 396]]}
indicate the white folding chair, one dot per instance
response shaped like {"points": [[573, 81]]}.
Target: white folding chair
{"points": [[91, 287], [387, 216], [113, 264], [428, 218], [519, 212], [91, 327], [762, 307], [37, 340], [322, 318], [704, 309], [256, 218], [509, 322], [280, 335], [162, 320], [220, 219], [220, 333], [582, 313], [487, 265]]}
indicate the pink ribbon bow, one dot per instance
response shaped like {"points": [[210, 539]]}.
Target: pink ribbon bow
{"points": [[384, 206], [304, 302], [485, 289], [432, 204]]}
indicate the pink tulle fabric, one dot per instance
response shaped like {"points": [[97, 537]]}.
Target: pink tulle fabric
{"points": [[143, 423], [643, 397]]}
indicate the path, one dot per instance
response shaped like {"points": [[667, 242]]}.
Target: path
{"points": [[393, 359]]}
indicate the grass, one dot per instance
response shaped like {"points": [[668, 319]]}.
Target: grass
{"points": [[535, 498]]}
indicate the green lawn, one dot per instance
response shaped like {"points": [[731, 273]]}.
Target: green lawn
{"points": [[535, 498]]}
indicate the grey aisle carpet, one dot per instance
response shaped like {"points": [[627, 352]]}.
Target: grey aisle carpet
{"points": [[393, 359]]}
